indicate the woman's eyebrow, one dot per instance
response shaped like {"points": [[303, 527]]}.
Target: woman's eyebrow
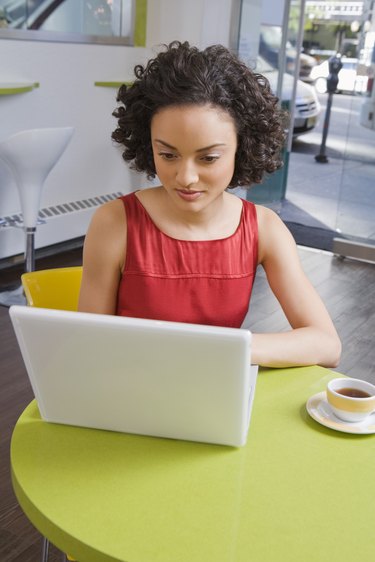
{"points": [[199, 149], [211, 146], [165, 144]]}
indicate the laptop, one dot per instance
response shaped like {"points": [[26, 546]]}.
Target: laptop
{"points": [[148, 377]]}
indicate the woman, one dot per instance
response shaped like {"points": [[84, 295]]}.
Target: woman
{"points": [[188, 249]]}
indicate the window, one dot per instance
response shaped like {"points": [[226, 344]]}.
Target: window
{"points": [[98, 21]]}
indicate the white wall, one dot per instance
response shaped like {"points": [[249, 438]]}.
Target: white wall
{"points": [[201, 22], [91, 165]]}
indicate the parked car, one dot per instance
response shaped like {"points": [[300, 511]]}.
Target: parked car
{"points": [[269, 47], [349, 80], [307, 106]]}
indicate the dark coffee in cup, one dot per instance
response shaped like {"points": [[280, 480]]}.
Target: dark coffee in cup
{"points": [[353, 392]]}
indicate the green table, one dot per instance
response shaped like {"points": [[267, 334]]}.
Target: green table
{"points": [[297, 492]]}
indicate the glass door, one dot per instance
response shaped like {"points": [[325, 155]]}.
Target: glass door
{"points": [[355, 221], [329, 202], [279, 44]]}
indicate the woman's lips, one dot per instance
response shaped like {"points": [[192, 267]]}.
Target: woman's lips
{"points": [[188, 195]]}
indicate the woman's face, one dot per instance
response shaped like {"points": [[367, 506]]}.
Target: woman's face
{"points": [[194, 149]]}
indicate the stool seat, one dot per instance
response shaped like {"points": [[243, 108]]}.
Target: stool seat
{"points": [[31, 155]]}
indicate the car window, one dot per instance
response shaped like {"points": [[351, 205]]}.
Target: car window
{"points": [[349, 65]]}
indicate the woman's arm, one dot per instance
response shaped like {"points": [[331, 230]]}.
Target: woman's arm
{"points": [[103, 259], [313, 338]]}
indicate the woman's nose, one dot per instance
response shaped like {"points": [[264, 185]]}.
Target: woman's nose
{"points": [[186, 174]]}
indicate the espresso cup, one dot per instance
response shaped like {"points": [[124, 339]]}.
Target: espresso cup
{"points": [[351, 400]]}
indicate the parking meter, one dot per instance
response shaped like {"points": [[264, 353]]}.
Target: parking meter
{"points": [[334, 66]]}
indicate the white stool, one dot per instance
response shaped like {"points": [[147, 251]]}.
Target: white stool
{"points": [[31, 155]]}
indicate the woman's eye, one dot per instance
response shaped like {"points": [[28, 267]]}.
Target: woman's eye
{"points": [[210, 158], [167, 155]]}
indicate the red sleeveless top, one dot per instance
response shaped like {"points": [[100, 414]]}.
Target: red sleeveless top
{"points": [[200, 282]]}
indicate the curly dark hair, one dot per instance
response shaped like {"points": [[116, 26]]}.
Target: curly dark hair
{"points": [[184, 75]]}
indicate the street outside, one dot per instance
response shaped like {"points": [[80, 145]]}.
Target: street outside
{"points": [[346, 137], [338, 195]]}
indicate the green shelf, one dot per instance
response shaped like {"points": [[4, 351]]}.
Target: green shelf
{"points": [[10, 88], [113, 84]]}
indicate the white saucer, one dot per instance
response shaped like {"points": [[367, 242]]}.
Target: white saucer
{"points": [[319, 409]]}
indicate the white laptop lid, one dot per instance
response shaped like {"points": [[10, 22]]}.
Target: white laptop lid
{"points": [[150, 377]]}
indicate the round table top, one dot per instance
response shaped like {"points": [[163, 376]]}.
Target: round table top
{"points": [[296, 491]]}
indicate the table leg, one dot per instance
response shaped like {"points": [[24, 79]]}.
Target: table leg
{"points": [[45, 549]]}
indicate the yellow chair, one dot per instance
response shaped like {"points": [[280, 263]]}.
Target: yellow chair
{"points": [[53, 288], [56, 288]]}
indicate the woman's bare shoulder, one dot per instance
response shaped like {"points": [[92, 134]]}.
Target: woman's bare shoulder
{"points": [[108, 227], [110, 211], [105, 242], [274, 236], [269, 223], [266, 215]]}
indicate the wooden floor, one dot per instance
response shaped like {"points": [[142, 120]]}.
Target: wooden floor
{"points": [[347, 287]]}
